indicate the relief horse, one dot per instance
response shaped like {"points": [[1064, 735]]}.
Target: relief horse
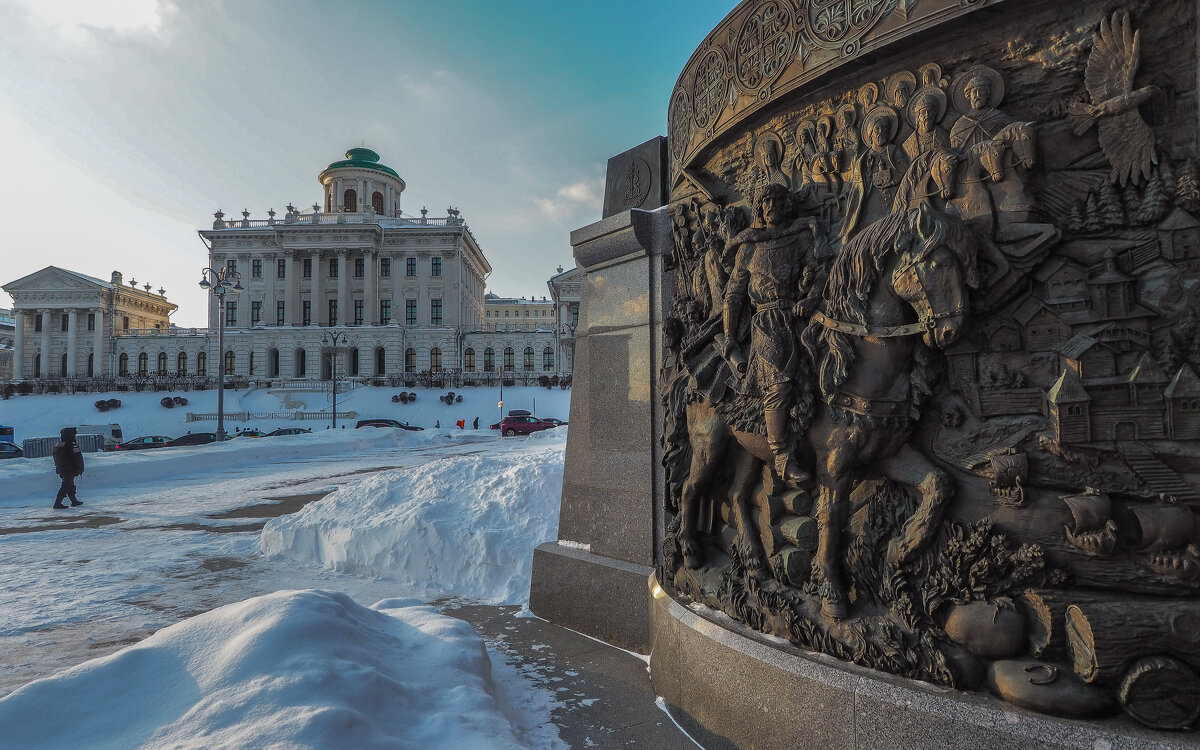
{"points": [[902, 278]]}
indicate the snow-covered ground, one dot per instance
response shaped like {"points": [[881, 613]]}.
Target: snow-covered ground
{"points": [[167, 535]]}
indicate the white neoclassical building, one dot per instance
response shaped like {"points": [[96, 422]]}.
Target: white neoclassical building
{"points": [[409, 292]]}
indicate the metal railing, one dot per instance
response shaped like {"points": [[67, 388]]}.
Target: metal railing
{"points": [[340, 217], [254, 416]]}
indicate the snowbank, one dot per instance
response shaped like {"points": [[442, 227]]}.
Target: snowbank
{"points": [[465, 526], [289, 669]]}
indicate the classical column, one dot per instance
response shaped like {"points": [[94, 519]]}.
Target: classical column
{"points": [[72, 340], [362, 188], [19, 345], [345, 315], [98, 343], [268, 303], [388, 209], [45, 369], [317, 302], [370, 293], [291, 309]]}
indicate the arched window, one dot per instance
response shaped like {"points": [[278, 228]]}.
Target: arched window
{"points": [[300, 365], [469, 360], [181, 364], [91, 365], [489, 360], [143, 363], [377, 201], [202, 363], [547, 359], [230, 361], [510, 357], [380, 360], [64, 366], [162, 363], [354, 362], [435, 358], [272, 363], [528, 358], [123, 365], [410, 360], [350, 200]]}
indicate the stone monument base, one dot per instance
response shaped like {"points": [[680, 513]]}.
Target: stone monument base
{"points": [[732, 687], [595, 595]]}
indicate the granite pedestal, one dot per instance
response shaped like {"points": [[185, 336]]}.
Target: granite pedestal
{"points": [[593, 579]]}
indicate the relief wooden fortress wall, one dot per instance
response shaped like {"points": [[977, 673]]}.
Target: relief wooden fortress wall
{"points": [[932, 390]]}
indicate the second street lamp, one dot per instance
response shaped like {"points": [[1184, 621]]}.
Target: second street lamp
{"points": [[333, 339], [222, 281]]}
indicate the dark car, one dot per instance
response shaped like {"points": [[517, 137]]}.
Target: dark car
{"points": [[553, 421], [143, 442], [288, 431], [254, 433], [510, 426], [386, 423], [194, 438], [10, 450]]}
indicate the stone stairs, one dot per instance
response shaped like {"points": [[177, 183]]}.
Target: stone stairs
{"points": [[1157, 475]]}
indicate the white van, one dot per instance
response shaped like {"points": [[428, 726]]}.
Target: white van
{"points": [[111, 432]]}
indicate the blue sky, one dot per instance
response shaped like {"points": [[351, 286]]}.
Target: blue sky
{"points": [[127, 123]]}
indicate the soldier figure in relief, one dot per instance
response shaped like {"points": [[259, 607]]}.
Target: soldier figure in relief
{"points": [[982, 89], [777, 278]]}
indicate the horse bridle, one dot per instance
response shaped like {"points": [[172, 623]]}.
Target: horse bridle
{"points": [[928, 317]]}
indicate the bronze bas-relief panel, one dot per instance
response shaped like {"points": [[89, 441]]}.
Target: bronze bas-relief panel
{"points": [[932, 382]]}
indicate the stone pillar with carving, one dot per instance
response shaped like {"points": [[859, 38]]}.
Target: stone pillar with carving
{"points": [[316, 288], [98, 343], [370, 289], [19, 345], [343, 287], [72, 341], [268, 303], [44, 371]]}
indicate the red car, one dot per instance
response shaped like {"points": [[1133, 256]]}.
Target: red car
{"points": [[510, 426]]}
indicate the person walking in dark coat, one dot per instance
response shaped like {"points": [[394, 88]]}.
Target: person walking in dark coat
{"points": [[68, 462]]}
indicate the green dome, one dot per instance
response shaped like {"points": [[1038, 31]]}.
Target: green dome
{"points": [[363, 158]]}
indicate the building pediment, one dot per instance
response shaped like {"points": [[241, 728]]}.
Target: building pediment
{"points": [[54, 279]]}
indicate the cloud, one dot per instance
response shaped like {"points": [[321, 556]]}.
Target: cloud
{"points": [[77, 19], [571, 199]]}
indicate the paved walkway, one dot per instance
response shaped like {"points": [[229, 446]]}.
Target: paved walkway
{"points": [[604, 693]]}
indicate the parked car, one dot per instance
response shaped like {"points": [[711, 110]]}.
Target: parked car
{"points": [[510, 426], [143, 442], [251, 433], [194, 438], [288, 431], [387, 423], [111, 432], [553, 421], [10, 450]]}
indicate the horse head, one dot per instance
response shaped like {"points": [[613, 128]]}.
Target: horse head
{"points": [[989, 155], [1018, 136], [935, 268], [942, 167]]}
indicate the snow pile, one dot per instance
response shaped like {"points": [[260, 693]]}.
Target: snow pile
{"points": [[463, 526], [289, 669]]}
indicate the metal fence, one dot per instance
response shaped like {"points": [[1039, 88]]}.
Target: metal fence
{"points": [[254, 416], [44, 446]]}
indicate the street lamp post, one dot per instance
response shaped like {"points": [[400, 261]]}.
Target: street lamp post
{"points": [[221, 281], [333, 338]]}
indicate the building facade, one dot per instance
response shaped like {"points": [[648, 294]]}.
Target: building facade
{"points": [[408, 291]]}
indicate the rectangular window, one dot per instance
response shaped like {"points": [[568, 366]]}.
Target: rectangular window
{"points": [[255, 312], [281, 268], [333, 268], [91, 324], [279, 313], [358, 312], [360, 267], [385, 311], [410, 266], [437, 267], [306, 313], [230, 313], [37, 324], [410, 312], [256, 268], [124, 323], [231, 264], [307, 272], [385, 267], [574, 316], [332, 312], [65, 324], [435, 312]]}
